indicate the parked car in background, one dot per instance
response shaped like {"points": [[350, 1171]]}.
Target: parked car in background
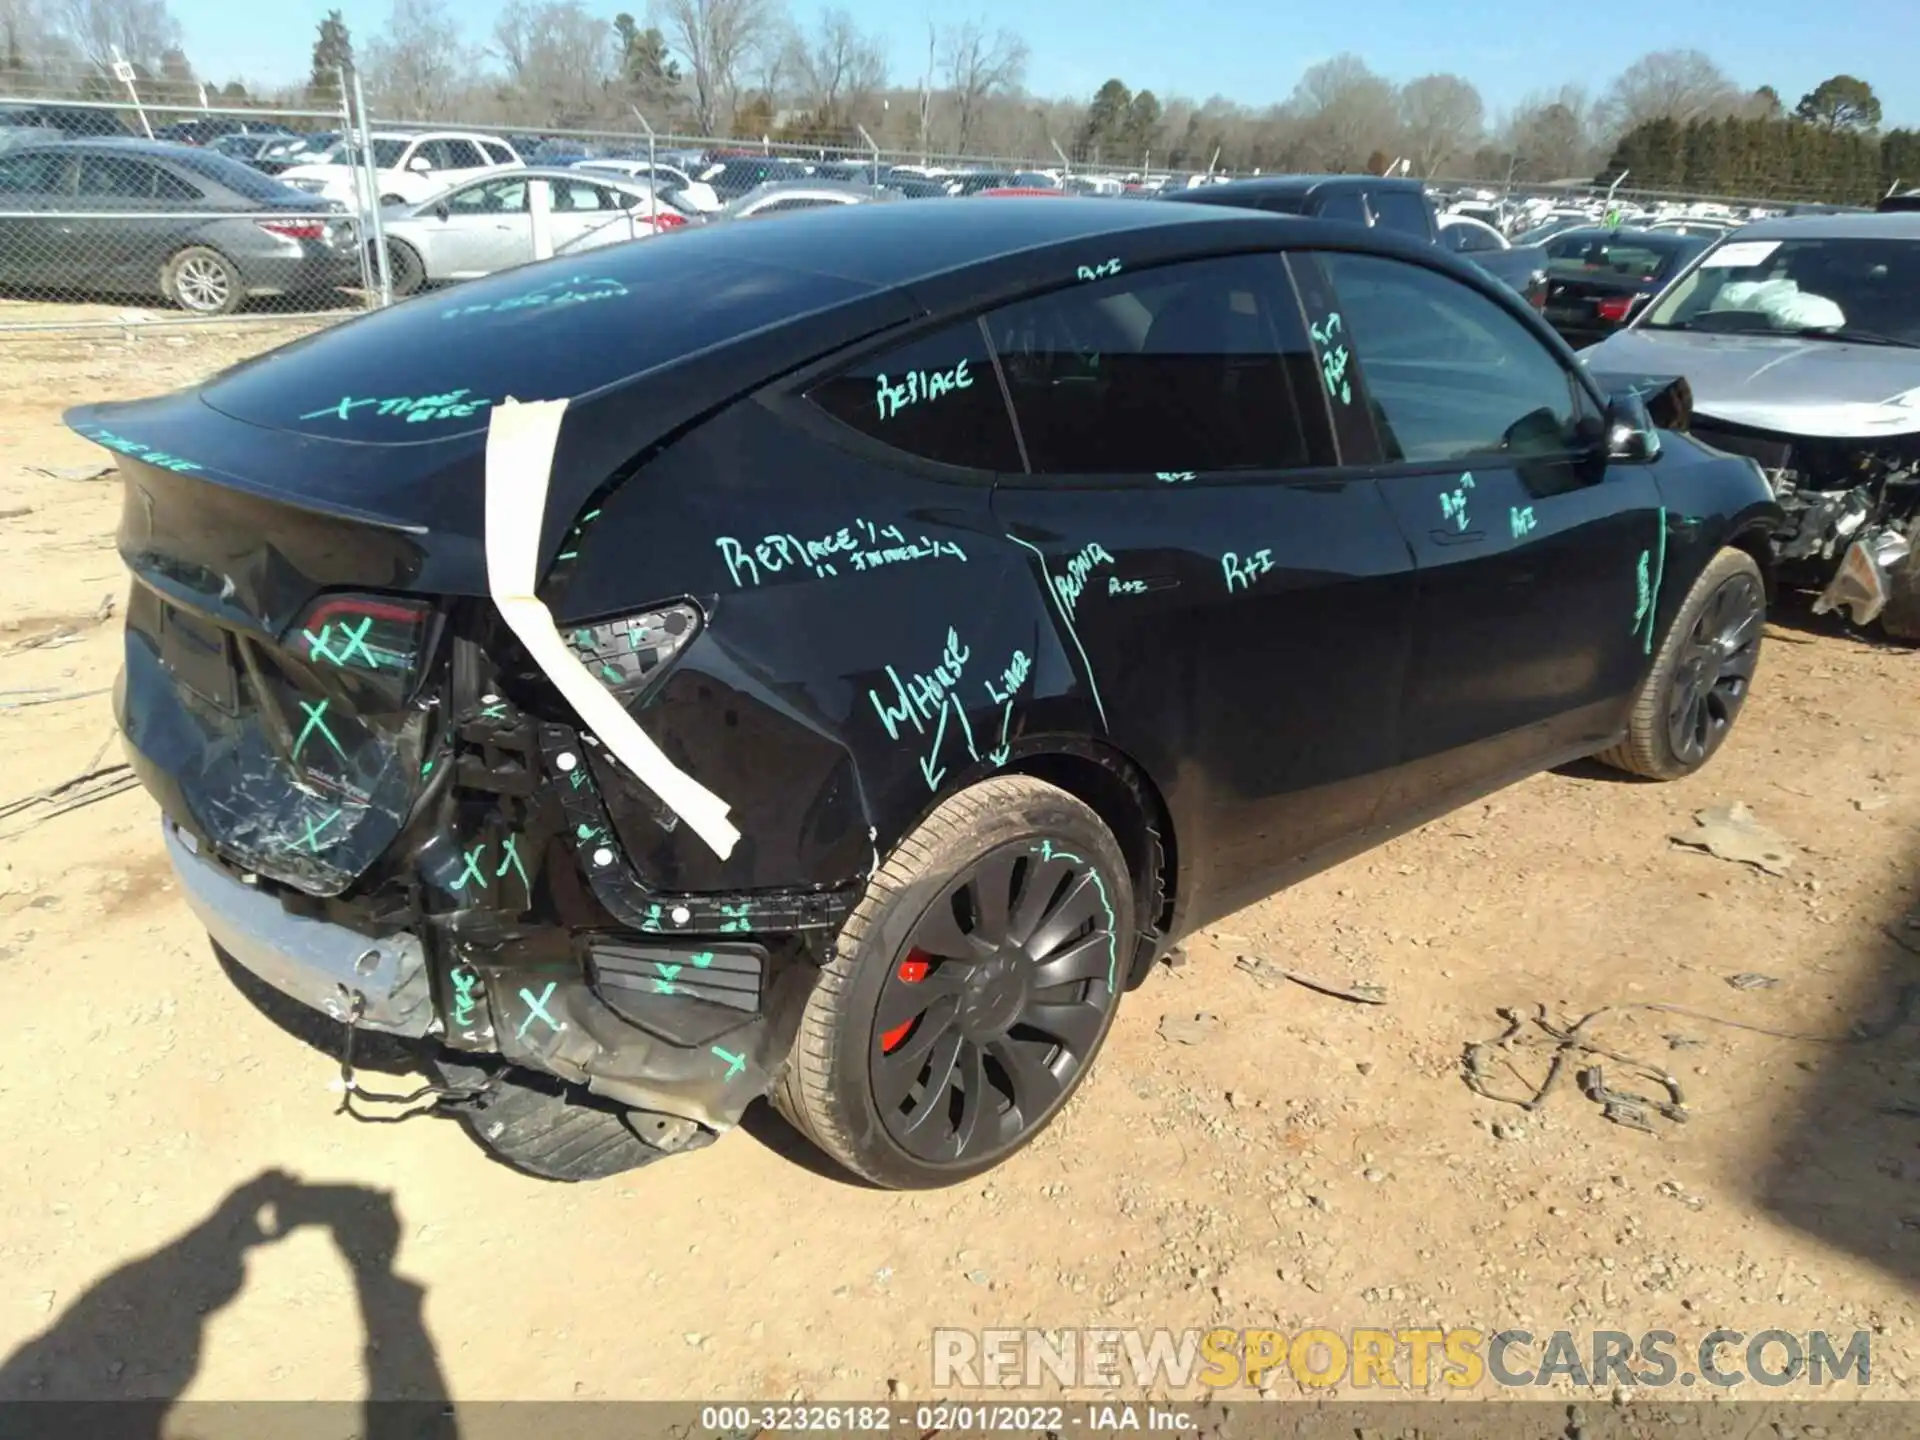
{"points": [[143, 218], [733, 176], [1555, 223], [407, 167], [76, 122], [1092, 185], [204, 130], [1598, 275], [1402, 206], [487, 224], [1697, 228], [1465, 235], [695, 195], [887, 564], [1799, 342], [282, 153], [783, 197]]}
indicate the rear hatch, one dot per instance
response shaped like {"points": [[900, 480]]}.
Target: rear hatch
{"points": [[307, 530]]}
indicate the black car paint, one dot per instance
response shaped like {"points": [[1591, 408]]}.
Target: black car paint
{"points": [[1383, 669], [1351, 198]]}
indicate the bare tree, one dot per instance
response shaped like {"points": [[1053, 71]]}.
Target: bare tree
{"points": [[838, 68], [1678, 85], [143, 30], [976, 68], [719, 40], [1551, 135], [1442, 116], [1347, 112], [418, 62], [558, 56]]}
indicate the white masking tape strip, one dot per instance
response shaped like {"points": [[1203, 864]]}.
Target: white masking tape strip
{"points": [[520, 446]]}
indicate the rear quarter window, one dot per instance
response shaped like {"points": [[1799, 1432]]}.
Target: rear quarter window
{"points": [[936, 397]]}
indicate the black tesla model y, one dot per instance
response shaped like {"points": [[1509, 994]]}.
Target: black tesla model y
{"points": [[834, 658]]}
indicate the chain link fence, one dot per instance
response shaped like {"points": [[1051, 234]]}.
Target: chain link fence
{"points": [[124, 213]]}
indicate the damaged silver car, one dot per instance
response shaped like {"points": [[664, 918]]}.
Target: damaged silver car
{"points": [[1796, 342]]}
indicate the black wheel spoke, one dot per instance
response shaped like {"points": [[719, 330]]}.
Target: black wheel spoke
{"points": [[1080, 904], [991, 891], [894, 1075], [1042, 878], [1088, 959], [1074, 1026], [901, 1002], [971, 1074], [941, 1058], [1035, 1087], [940, 935]]}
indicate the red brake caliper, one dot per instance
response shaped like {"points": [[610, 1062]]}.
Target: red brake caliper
{"points": [[912, 971]]}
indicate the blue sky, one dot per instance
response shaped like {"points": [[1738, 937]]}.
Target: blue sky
{"points": [[1254, 50]]}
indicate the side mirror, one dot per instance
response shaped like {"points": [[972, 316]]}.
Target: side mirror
{"points": [[1631, 435], [443, 211], [420, 165]]}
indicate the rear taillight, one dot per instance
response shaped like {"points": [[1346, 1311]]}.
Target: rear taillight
{"points": [[667, 221], [373, 636], [295, 229], [1614, 308]]}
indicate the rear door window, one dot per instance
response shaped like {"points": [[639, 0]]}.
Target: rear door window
{"points": [[936, 397], [1192, 367], [1343, 205]]}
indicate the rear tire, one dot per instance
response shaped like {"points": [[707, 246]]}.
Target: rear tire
{"points": [[202, 281], [1700, 677], [969, 992], [408, 271]]}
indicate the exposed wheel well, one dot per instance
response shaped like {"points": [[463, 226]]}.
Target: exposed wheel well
{"points": [[1131, 807], [1753, 539]]}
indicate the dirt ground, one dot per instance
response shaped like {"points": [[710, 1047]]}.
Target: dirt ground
{"points": [[1311, 1161]]}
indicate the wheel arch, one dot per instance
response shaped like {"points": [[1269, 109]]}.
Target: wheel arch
{"points": [[1755, 538], [1129, 804]]}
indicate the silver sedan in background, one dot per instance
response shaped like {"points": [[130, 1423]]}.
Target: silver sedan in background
{"points": [[486, 224]]}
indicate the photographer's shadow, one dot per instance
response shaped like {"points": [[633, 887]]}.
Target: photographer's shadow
{"points": [[137, 1334]]}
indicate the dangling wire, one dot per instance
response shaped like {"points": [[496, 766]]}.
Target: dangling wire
{"points": [[444, 1097]]}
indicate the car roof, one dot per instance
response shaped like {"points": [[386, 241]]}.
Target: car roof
{"points": [[1863, 225]]}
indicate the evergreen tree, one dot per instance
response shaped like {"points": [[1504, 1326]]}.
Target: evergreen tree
{"points": [[332, 48]]}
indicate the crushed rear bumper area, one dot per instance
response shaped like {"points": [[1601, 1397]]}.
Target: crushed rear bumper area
{"points": [[317, 963], [691, 1030]]}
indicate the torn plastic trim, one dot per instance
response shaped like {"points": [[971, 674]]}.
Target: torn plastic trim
{"points": [[628, 898], [520, 447], [1863, 584]]}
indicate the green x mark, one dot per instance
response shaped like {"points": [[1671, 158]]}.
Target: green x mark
{"points": [[664, 985], [510, 855], [473, 870], [735, 1063], [312, 838], [313, 712], [320, 647]]}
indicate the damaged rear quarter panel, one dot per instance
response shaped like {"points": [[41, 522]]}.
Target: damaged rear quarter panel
{"points": [[873, 640]]}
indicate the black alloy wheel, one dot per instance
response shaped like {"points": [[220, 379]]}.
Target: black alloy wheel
{"points": [[996, 1004], [1703, 668], [966, 997], [1715, 670]]}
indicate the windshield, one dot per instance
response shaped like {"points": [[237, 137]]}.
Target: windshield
{"points": [[1869, 287]]}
